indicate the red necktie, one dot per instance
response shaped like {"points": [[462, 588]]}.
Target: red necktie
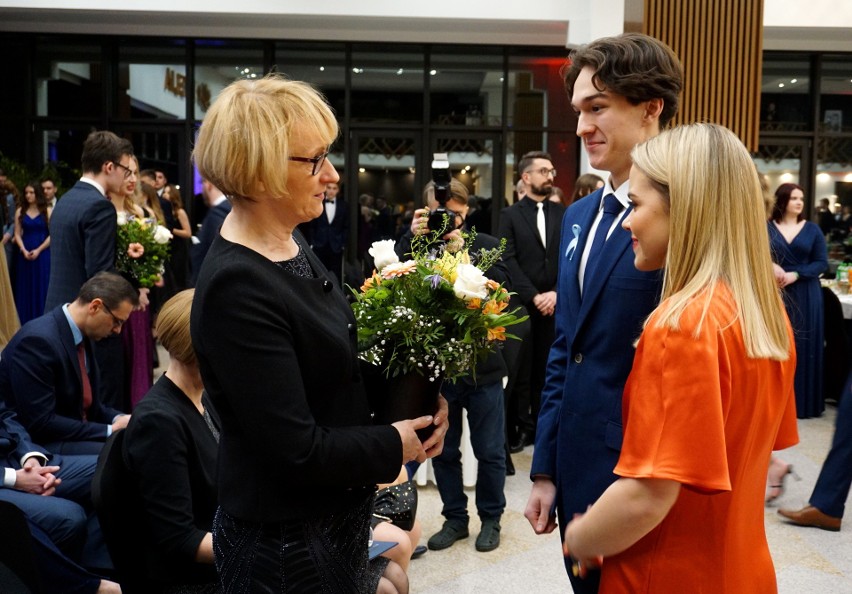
{"points": [[87, 386]]}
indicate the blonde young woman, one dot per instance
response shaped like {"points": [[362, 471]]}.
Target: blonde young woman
{"points": [[710, 394]]}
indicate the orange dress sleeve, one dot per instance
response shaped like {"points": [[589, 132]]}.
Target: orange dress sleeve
{"points": [[674, 405]]}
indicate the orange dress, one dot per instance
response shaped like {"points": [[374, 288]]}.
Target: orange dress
{"points": [[700, 412]]}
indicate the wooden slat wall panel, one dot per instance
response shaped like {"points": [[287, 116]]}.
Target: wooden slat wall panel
{"points": [[720, 43]]}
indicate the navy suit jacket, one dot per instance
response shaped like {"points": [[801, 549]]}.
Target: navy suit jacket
{"points": [[40, 379], [533, 267], [209, 231], [579, 432], [15, 442], [82, 242]]}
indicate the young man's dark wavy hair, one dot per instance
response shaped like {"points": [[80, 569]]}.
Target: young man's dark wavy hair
{"points": [[635, 66]]}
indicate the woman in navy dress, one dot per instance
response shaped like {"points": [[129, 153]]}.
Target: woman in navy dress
{"points": [[799, 251], [33, 261]]}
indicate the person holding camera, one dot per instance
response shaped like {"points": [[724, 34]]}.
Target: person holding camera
{"points": [[481, 393]]}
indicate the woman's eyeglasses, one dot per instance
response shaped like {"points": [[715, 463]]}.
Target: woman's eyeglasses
{"points": [[317, 161]]}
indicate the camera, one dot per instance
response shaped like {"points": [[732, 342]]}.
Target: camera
{"points": [[441, 177]]}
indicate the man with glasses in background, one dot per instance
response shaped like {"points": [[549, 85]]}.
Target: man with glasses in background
{"points": [[48, 374], [82, 239], [531, 229]]}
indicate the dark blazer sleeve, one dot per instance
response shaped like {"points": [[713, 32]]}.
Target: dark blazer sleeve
{"points": [[158, 454], [38, 369], [15, 442], [99, 228]]}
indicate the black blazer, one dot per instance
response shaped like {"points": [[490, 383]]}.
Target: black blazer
{"points": [[171, 454], [40, 379], [533, 268], [278, 357], [332, 236], [82, 242]]}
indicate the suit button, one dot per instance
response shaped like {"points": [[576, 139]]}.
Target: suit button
{"points": [[350, 327], [578, 358], [327, 286]]}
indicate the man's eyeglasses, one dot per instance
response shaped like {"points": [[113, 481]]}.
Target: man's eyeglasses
{"points": [[316, 161], [128, 172], [116, 322], [544, 171]]}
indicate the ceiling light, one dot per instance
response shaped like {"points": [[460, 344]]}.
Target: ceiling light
{"points": [[362, 170], [780, 85], [794, 81], [400, 71], [433, 72], [322, 68]]}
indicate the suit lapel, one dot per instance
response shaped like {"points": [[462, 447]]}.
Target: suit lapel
{"points": [[572, 260], [614, 249]]}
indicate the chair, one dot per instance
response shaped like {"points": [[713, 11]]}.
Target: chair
{"points": [[119, 510], [18, 571]]}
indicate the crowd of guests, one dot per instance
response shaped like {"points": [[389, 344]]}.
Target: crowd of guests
{"points": [[256, 469]]}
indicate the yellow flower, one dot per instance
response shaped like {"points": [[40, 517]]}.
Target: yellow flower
{"points": [[398, 269], [371, 282], [498, 333], [494, 307]]}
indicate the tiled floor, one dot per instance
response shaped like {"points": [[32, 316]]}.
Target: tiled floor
{"points": [[806, 559]]}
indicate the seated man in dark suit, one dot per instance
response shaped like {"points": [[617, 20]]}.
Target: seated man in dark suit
{"points": [[49, 376], [52, 498]]}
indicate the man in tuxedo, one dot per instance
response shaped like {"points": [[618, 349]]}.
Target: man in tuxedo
{"points": [[82, 241], [49, 376], [602, 299], [219, 207], [329, 231], [531, 229]]}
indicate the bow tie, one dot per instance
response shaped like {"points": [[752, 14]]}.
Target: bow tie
{"points": [[328, 201]]}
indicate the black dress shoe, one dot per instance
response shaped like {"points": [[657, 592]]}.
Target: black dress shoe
{"points": [[522, 440]]}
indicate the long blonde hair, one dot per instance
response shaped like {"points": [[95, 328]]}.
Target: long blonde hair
{"points": [[718, 231]]}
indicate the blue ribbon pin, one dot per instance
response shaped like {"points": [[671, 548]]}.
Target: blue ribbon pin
{"points": [[572, 245]]}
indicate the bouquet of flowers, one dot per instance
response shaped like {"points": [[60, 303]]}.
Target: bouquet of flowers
{"points": [[435, 315], [142, 249]]}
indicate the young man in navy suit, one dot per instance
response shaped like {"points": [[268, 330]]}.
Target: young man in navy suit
{"points": [[49, 376], [602, 299], [82, 239]]}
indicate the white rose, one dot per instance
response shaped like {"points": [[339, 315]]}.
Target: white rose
{"points": [[121, 217], [162, 235], [383, 254], [470, 283]]}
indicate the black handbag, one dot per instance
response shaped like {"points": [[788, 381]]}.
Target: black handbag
{"points": [[397, 504]]}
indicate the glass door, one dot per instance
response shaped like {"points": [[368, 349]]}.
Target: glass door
{"points": [[382, 187]]}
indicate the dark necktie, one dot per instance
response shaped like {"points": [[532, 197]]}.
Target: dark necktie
{"points": [[87, 386], [611, 209]]}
